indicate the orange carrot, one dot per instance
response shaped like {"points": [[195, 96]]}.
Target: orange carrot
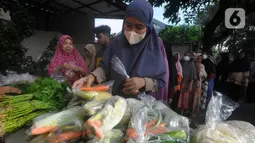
{"points": [[160, 129], [42, 130], [96, 88], [96, 125], [151, 123], [157, 131], [66, 136]]}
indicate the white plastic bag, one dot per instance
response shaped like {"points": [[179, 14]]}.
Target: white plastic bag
{"points": [[13, 78], [216, 130]]}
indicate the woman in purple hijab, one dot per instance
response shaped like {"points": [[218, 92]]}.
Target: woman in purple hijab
{"points": [[139, 49]]}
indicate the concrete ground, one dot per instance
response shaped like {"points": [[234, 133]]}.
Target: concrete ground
{"points": [[246, 112]]}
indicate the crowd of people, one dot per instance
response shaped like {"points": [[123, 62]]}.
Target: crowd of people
{"points": [[186, 83]]}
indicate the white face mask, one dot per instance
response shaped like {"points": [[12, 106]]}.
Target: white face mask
{"points": [[133, 37], [204, 56], [186, 58]]}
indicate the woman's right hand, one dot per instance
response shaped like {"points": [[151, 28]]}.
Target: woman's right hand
{"points": [[85, 81], [66, 66]]}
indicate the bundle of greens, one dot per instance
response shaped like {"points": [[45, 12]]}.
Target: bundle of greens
{"points": [[44, 95], [50, 91]]}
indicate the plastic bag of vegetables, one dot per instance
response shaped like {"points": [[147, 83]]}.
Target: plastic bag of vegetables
{"points": [[216, 130], [246, 128], [156, 123], [106, 119], [52, 122], [98, 92], [131, 105], [92, 107], [113, 136]]}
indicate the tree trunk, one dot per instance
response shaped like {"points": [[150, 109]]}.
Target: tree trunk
{"points": [[208, 30]]}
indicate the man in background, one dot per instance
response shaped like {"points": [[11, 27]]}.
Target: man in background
{"points": [[102, 34]]}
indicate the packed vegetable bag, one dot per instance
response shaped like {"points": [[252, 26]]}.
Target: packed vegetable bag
{"points": [[99, 92], [65, 133], [106, 119], [113, 136], [132, 104], [156, 123], [92, 107], [216, 130], [246, 128], [49, 123]]}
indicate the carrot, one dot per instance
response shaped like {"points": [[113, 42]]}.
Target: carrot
{"points": [[96, 125], [96, 88], [99, 133], [151, 123], [65, 137], [157, 131], [42, 130], [160, 129]]}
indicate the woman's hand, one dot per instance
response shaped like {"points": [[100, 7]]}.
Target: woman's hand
{"points": [[133, 85], [87, 81], [67, 66]]}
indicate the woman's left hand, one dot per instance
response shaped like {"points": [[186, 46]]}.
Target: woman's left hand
{"points": [[133, 85]]}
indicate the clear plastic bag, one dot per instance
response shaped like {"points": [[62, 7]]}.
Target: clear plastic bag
{"points": [[216, 130], [51, 122], [113, 136], [155, 122], [100, 92], [14, 78], [246, 128], [106, 119], [118, 66], [132, 104], [66, 133], [93, 107], [59, 76]]}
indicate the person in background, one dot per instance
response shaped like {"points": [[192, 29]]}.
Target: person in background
{"points": [[102, 34], [189, 76], [175, 98], [162, 94], [238, 77], [139, 49], [90, 57], [67, 61], [173, 83], [8, 89], [222, 70], [197, 86], [250, 95], [210, 68]]}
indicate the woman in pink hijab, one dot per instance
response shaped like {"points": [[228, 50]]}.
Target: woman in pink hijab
{"points": [[67, 60]]}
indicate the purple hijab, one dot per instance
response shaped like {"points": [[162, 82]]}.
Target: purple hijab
{"points": [[144, 59], [162, 94]]}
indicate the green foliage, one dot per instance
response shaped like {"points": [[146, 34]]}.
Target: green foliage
{"points": [[173, 7], [181, 34], [12, 33], [42, 63]]}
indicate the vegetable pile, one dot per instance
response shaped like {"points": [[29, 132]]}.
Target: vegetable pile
{"points": [[44, 95], [104, 118]]}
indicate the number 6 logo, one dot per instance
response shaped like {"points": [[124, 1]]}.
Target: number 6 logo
{"points": [[235, 18]]}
